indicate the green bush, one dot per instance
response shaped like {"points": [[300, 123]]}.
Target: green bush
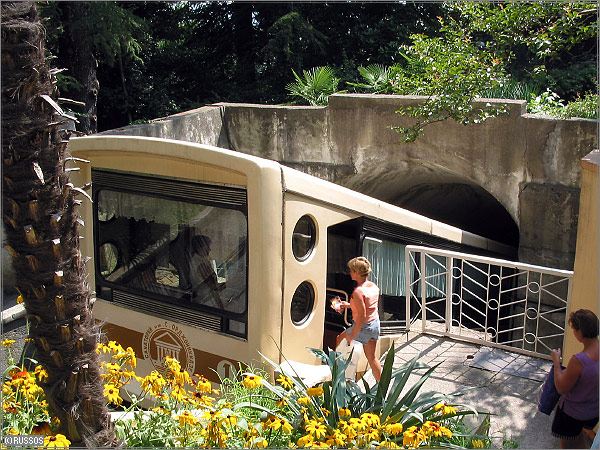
{"points": [[586, 107]]}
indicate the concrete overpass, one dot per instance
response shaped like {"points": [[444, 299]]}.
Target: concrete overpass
{"points": [[515, 178]]}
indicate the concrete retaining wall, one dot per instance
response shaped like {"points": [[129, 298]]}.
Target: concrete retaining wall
{"points": [[529, 163]]}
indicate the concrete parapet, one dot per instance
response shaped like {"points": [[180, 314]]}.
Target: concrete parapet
{"points": [[523, 167]]}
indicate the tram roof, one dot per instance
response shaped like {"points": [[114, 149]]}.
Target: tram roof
{"points": [[294, 181]]}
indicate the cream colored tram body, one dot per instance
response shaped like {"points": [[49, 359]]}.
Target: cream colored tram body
{"points": [[279, 244]]}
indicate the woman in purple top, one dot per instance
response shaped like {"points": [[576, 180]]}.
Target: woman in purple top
{"points": [[578, 384]]}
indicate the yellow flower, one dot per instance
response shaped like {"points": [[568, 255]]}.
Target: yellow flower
{"points": [[477, 443], [371, 419], [286, 382], [306, 441], [178, 393], [319, 445], [186, 418], [318, 430], [182, 376], [41, 373], [335, 439], [112, 367], [357, 424], [212, 416], [282, 402], [446, 409], [6, 343], [314, 391], [132, 358], [303, 400], [154, 382], [20, 299], [251, 433], [446, 432], [275, 423], [115, 347], [203, 385], [12, 432], [160, 410], [252, 381], [58, 441], [412, 437], [230, 420], [200, 399], [393, 428], [172, 364], [348, 430], [31, 391], [261, 443], [388, 444], [112, 394], [344, 412], [6, 389], [371, 434]]}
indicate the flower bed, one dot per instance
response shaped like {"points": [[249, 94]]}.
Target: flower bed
{"points": [[250, 411]]}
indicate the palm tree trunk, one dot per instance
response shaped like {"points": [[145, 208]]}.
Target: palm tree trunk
{"points": [[39, 212]]}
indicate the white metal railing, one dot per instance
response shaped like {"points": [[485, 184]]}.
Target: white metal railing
{"points": [[493, 302]]}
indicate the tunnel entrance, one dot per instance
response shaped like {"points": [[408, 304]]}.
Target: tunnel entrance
{"points": [[468, 207], [439, 194]]}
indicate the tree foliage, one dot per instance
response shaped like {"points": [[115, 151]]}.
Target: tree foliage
{"points": [[183, 55], [81, 42], [450, 71], [540, 42], [192, 54]]}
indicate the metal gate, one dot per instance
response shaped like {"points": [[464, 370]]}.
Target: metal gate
{"points": [[493, 302]]}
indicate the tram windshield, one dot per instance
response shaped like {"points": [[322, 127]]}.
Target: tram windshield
{"points": [[191, 254]]}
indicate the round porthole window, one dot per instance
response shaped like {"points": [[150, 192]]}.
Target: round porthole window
{"points": [[302, 303], [304, 238]]}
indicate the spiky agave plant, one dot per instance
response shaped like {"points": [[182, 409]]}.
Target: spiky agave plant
{"points": [[39, 212]]}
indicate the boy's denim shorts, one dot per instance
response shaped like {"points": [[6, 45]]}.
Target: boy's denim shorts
{"points": [[369, 331]]}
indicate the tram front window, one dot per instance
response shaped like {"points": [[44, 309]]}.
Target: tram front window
{"points": [[193, 255]]}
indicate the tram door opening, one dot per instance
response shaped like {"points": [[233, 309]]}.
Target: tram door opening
{"points": [[343, 244]]}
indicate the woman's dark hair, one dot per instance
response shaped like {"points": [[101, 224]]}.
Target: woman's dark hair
{"points": [[585, 321]]}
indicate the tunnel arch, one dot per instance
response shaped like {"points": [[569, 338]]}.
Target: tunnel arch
{"points": [[439, 194]]}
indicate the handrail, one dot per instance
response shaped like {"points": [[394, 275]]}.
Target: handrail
{"points": [[516, 306], [485, 259], [346, 297]]}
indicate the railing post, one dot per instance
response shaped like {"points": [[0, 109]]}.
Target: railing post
{"points": [[408, 286], [449, 266], [423, 291]]}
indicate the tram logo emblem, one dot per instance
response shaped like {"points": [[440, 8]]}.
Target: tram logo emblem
{"points": [[166, 339]]}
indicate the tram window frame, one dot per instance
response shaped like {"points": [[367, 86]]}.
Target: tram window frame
{"points": [[308, 304], [180, 309], [312, 238]]}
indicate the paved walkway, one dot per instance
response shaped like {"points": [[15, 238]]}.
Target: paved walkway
{"points": [[511, 399]]}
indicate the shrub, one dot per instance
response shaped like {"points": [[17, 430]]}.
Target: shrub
{"points": [[318, 84]]}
